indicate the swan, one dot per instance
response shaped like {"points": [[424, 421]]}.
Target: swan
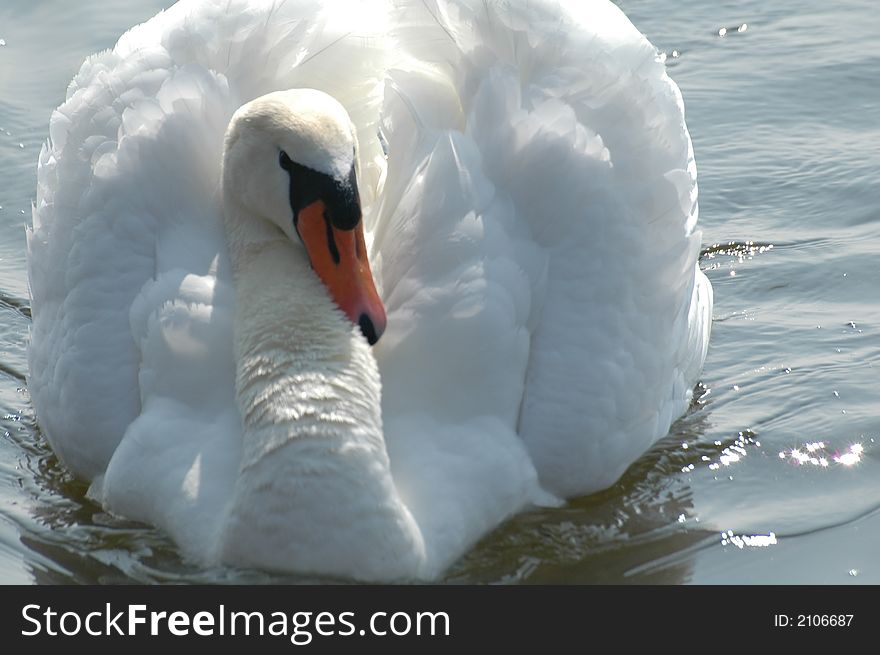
{"points": [[337, 287]]}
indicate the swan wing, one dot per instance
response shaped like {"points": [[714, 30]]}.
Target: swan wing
{"points": [[545, 206]]}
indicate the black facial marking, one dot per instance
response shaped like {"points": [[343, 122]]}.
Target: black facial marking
{"points": [[340, 197]]}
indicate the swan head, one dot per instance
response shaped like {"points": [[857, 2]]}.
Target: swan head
{"points": [[290, 162]]}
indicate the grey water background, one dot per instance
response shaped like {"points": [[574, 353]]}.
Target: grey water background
{"points": [[773, 476]]}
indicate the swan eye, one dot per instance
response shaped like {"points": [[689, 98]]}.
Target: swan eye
{"points": [[284, 161]]}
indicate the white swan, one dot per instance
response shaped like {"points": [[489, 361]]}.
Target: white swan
{"points": [[531, 234]]}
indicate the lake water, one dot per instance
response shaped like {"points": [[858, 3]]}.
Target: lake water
{"points": [[773, 477]]}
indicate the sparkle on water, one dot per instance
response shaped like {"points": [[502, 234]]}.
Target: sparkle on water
{"points": [[818, 453], [752, 541]]}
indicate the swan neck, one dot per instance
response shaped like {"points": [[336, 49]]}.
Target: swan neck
{"points": [[303, 370], [307, 386]]}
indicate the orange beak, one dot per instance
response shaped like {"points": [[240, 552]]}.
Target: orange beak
{"points": [[339, 257]]}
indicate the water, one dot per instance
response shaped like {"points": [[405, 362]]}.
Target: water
{"points": [[773, 477]]}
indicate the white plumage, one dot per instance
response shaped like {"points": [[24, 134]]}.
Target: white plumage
{"points": [[532, 234]]}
